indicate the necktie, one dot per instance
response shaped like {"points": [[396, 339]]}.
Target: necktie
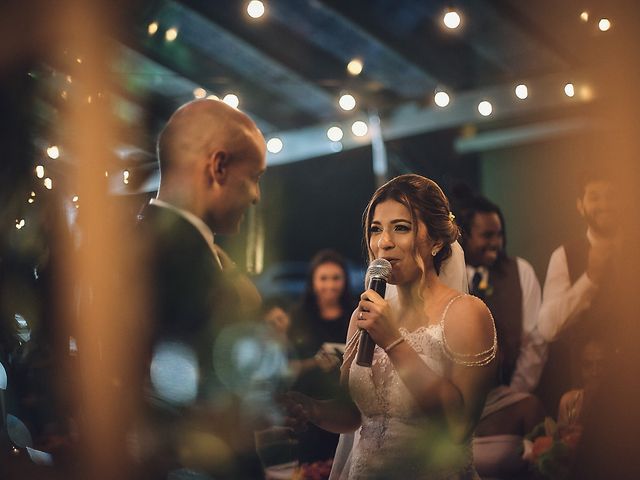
{"points": [[475, 284]]}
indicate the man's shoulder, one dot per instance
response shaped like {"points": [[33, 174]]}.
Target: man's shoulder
{"points": [[170, 239], [524, 266], [162, 222]]}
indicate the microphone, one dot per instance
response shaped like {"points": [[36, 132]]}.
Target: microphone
{"points": [[378, 273]]}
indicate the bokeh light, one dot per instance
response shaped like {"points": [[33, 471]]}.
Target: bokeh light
{"points": [[175, 373]]}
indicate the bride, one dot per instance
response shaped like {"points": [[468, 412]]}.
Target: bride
{"points": [[416, 407]]}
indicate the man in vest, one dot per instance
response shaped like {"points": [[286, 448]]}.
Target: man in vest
{"points": [[509, 287], [573, 289]]}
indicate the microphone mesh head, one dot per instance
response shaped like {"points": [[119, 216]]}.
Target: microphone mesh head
{"points": [[380, 268]]}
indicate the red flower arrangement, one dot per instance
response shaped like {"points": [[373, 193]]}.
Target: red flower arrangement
{"points": [[319, 470], [551, 448]]}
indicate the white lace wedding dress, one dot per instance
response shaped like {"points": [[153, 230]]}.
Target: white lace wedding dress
{"points": [[396, 440]]}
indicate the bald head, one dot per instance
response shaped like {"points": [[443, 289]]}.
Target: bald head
{"points": [[205, 149], [200, 127]]}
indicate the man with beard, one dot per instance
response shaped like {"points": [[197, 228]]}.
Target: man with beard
{"points": [[509, 287], [572, 310]]}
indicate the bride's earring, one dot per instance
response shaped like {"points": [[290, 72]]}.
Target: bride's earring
{"points": [[434, 252]]}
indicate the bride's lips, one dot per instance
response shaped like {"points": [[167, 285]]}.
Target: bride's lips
{"points": [[392, 261]]}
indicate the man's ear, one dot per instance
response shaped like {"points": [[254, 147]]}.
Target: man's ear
{"points": [[580, 206], [218, 167]]}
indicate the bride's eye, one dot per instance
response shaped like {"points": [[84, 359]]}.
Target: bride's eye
{"points": [[374, 229], [403, 228]]}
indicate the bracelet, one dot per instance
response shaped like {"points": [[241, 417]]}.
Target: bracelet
{"points": [[393, 344]]}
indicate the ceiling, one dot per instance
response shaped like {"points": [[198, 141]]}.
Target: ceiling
{"points": [[288, 68]]}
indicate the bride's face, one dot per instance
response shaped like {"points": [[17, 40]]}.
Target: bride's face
{"points": [[394, 237]]}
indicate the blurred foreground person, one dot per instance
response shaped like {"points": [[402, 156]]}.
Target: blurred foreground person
{"points": [[416, 407], [578, 288], [211, 159]]}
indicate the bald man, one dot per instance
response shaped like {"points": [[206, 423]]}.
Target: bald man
{"points": [[211, 159]]}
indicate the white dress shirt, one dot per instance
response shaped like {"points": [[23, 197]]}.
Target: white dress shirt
{"points": [[562, 303], [533, 348], [202, 227]]}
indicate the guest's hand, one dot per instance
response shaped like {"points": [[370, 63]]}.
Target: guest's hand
{"points": [[326, 361], [299, 410], [374, 315]]}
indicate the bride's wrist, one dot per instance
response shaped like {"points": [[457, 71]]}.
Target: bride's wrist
{"points": [[390, 346]]}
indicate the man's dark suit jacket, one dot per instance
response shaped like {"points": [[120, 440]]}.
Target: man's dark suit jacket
{"points": [[190, 302]]}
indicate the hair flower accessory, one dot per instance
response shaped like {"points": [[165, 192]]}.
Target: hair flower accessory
{"points": [[452, 217]]}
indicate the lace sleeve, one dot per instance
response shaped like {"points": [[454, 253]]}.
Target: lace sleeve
{"points": [[469, 359], [350, 350]]}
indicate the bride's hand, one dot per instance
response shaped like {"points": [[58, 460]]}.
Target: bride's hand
{"points": [[374, 315]]}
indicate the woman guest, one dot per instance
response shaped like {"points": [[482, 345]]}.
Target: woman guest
{"points": [[320, 323], [417, 406]]}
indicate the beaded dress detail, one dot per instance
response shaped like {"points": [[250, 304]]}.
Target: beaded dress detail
{"points": [[397, 440]]}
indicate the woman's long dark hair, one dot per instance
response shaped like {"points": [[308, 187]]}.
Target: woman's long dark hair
{"points": [[309, 300]]}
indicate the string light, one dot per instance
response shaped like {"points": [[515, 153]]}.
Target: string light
{"points": [[584, 16], [152, 28], [20, 223], [274, 145], [48, 183], [53, 152], [63, 94], [79, 60], [485, 108], [31, 200], [335, 134], [441, 98], [199, 92], [213, 97], [347, 102], [522, 91], [451, 19], [359, 128], [604, 24], [231, 100], [355, 67], [171, 34], [74, 199], [69, 79], [39, 171], [569, 90], [125, 177], [255, 9]]}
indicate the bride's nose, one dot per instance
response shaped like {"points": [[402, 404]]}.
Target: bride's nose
{"points": [[385, 241]]}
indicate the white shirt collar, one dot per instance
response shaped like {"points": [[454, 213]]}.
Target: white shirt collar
{"points": [[202, 227], [471, 270]]}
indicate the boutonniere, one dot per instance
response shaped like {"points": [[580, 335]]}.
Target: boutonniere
{"points": [[485, 287]]}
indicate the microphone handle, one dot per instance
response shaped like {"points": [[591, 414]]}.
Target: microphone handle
{"points": [[367, 345]]}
